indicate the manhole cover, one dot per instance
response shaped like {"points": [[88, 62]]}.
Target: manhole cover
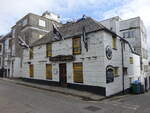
{"points": [[92, 108]]}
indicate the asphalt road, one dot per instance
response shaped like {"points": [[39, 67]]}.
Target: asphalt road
{"points": [[21, 99]]}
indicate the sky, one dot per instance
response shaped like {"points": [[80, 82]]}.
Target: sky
{"points": [[13, 10]]}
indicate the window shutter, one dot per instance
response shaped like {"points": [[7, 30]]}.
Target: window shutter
{"points": [[48, 71], [49, 50], [116, 71], [78, 72], [114, 42], [31, 53], [76, 46], [31, 70]]}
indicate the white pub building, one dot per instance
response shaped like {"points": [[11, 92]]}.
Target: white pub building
{"points": [[89, 57]]}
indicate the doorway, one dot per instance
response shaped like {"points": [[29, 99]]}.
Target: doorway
{"points": [[62, 74]]}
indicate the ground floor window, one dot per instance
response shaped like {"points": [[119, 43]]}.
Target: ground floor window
{"points": [[78, 72], [31, 70], [116, 71], [109, 74], [125, 70], [48, 71]]}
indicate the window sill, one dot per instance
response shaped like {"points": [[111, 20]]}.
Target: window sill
{"points": [[117, 76], [114, 48]]}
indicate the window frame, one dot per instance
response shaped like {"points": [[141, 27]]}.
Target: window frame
{"points": [[114, 42], [76, 46], [78, 70], [110, 78], [131, 60], [31, 70], [31, 53], [49, 50], [116, 71], [49, 76]]}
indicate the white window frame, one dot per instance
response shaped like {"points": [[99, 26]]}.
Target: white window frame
{"points": [[42, 23]]}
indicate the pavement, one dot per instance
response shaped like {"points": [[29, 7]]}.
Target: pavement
{"points": [[16, 98], [66, 91]]}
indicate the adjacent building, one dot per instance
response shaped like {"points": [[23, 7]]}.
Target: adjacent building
{"points": [[30, 28], [134, 31]]}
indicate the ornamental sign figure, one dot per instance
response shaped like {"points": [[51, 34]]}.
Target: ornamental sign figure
{"points": [[108, 52]]}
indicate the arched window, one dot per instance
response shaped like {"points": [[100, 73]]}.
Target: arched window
{"points": [[109, 74]]}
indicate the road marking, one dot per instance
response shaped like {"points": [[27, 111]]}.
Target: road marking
{"points": [[123, 105]]}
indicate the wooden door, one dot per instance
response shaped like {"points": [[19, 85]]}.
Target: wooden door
{"points": [[62, 74]]}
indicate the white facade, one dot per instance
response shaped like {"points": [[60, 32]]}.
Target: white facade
{"points": [[94, 62], [134, 31]]}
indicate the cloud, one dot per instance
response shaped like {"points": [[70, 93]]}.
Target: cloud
{"points": [[12, 10], [130, 9]]}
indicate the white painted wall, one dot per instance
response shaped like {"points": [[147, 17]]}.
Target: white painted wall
{"points": [[94, 62]]}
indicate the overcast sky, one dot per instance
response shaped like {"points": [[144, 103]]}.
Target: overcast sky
{"points": [[13, 10]]}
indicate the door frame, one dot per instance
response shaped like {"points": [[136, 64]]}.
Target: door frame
{"points": [[62, 78]]}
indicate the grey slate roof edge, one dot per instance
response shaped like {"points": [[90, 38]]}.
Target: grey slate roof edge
{"points": [[97, 28], [101, 27]]}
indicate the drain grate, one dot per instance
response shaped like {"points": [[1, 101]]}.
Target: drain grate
{"points": [[92, 108]]}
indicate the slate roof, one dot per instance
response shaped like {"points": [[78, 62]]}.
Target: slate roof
{"points": [[71, 29]]}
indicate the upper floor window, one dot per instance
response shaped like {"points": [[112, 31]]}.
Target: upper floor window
{"points": [[42, 23], [31, 53], [76, 43], [49, 50], [24, 22], [0, 47], [114, 42], [131, 60], [129, 34], [0, 61], [10, 43], [40, 36]]}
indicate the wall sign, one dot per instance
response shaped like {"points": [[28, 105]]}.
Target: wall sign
{"points": [[108, 52], [62, 58]]}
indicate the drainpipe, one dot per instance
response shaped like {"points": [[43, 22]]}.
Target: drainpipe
{"points": [[122, 54]]}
